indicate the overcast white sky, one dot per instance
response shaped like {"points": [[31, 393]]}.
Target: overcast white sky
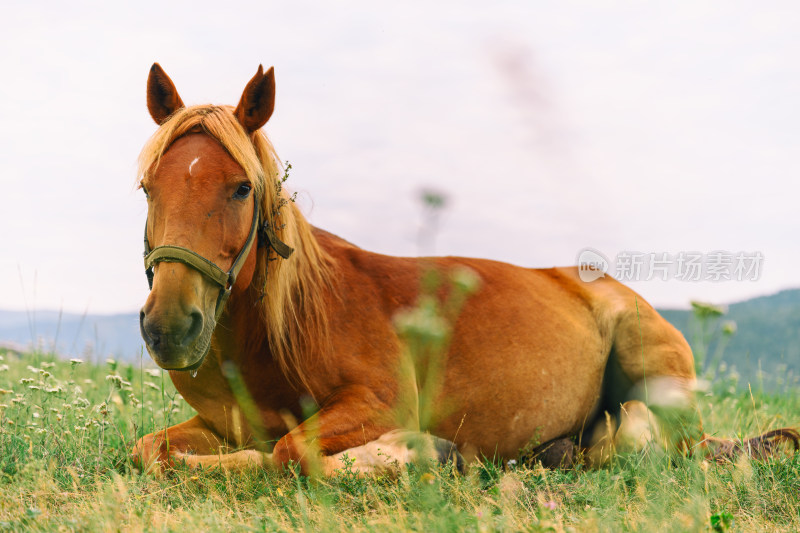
{"points": [[551, 126]]}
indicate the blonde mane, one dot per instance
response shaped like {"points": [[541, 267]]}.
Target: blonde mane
{"points": [[293, 302]]}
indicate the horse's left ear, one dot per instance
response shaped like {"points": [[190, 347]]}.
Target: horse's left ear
{"points": [[258, 100]]}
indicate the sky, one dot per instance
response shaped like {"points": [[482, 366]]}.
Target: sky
{"points": [[550, 127]]}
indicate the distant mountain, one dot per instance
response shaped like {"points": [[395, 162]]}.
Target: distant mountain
{"points": [[768, 334], [73, 335]]}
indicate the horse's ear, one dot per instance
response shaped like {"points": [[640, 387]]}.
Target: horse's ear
{"points": [[258, 100], [162, 96]]}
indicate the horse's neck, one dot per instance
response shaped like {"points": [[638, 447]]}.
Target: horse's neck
{"points": [[244, 335], [241, 333], [246, 363]]}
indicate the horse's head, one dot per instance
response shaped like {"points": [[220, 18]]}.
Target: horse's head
{"points": [[203, 201]]}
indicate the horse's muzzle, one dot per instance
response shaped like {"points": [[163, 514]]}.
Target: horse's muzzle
{"points": [[171, 340]]}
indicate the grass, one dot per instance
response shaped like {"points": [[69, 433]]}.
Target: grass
{"points": [[66, 428]]}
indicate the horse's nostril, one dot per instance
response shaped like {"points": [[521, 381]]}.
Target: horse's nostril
{"points": [[149, 334], [195, 328]]}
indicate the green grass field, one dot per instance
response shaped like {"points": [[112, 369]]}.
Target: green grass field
{"points": [[66, 428]]}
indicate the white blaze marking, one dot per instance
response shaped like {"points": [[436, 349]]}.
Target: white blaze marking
{"points": [[196, 159]]}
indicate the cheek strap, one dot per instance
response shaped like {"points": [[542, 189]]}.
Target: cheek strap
{"points": [[178, 254]]}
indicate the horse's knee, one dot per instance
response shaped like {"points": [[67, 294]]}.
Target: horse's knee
{"points": [[635, 430], [672, 399], [413, 446], [287, 452], [157, 451], [638, 428], [394, 449], [151, 452]]}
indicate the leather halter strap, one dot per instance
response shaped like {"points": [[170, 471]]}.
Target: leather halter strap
{"points": [[178, 254]]}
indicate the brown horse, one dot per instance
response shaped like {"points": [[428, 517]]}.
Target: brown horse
{"points": [[251, 332]]}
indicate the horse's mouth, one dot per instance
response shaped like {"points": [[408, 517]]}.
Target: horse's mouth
{"points": [[183, 361], [193, 367]]}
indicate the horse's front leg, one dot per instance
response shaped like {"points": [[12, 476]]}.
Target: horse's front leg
{"points": [[357, 429], [392, 449], [161, 449]]}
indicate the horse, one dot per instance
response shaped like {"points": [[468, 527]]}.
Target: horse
{"points": [[283, 337]]}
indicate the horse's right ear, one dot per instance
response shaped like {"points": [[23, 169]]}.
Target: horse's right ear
{"points": [[162, 96]]}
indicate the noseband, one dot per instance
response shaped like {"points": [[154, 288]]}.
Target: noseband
{"points": [[178, 254]]}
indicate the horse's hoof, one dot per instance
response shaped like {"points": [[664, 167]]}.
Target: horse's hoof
{"points": [[446, 451], [558, 453]]}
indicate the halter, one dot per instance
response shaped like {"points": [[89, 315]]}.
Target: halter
{"points": [[178, 254]]}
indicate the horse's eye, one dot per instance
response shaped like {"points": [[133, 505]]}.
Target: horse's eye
{"points": [[242, 191], [144, 190]]}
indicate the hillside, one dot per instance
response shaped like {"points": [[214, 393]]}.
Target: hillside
{"points": [[767, 336], [71, 334]]}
